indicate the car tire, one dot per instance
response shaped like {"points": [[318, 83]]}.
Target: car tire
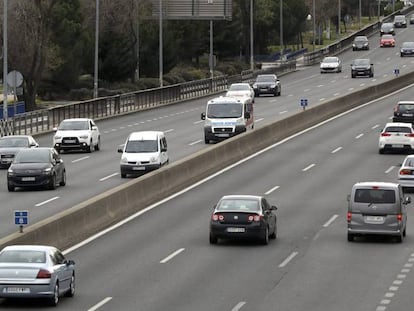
{"points": [[353, 75], [63, 181], [54, 300], [91, 147], [206, 140], [381, 151], [399, 238], [279, 92], [371, 75], [10, 188], [52, 182], [71, 291], [274, 234], [405, 232], [98, 144], [213, 239], [350, 237], [265, 237]]}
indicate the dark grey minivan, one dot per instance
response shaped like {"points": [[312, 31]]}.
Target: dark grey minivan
{"points": [[377, 208]]}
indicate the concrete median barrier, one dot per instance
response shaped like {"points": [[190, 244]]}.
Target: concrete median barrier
{"points": [[87, 218]]}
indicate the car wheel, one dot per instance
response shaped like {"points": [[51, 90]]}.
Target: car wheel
{"points": [[350, 237], [54, 300], [279, 92], [71, 291], [381, 151], [63, 181], [399, 238], [206, 140], [98, 144], [213, 239], [52, 182], [10, 187], [353, 76], [274, 234], [371, 75], [265, 237], [405, 231], [90, 148], [402, 55]]}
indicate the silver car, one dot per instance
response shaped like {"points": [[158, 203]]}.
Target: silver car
{"points": [[406, 173], [10, 145], [36, 271], [331, 64]]}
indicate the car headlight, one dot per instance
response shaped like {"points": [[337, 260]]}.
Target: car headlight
{"points": [[84, 136], [10, 172], [353, 45], [47, 171], [365, 44], [153, 159], [273, 86], [254, 86], [57, 137], [124, 160]]}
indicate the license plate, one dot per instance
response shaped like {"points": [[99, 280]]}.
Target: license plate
{"points": [[397, 146], [16, 290], [374, 219], [235, 230], [222, 135], [407, 114], [138, 168], [70, 141], [28, 178]]}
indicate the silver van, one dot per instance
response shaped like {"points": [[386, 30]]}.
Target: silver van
{"points": [[377, 208]]}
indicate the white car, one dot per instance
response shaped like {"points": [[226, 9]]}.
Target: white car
{"points": [[240, 90], [331, 64], [406, 172], [396, 136], [77, 134]]}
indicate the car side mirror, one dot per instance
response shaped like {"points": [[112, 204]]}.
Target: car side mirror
{"points": [[247, 115], [163, 149], [94, 127], [55, 129], [273, 207], [69, 262], [121, 148], [203, 116], [407, 200]]}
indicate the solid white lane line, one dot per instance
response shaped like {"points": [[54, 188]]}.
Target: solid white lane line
{"points": [[336, 150], [271, 190], [80, 159], [47, 201], [359, 136], [238, 306], [258, 120], [288, 259], [109, 176], [308, 167], [166, 259], [375, 126], [169, 131], [195, 142], [322, 99], [282, 112], [196, 122], [330, 221], [389, 170], [100, 304]]}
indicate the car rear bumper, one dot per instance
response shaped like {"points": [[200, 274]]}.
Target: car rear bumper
{"points": [[222, 231], [36, 291]]}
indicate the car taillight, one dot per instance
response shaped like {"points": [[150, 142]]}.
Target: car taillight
{"points": [[396, 108], [349, 217], [399, 217], [217, 217], [410, 135], [405, 172], [385, 134], [255, 218], [43, 274]]}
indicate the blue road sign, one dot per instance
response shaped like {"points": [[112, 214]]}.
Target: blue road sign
{"points": [[303, 102], [21, 218]]}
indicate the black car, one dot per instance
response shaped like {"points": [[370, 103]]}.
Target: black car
{"points": [[10, 145], [412, 19], [407, 49], [362, 67], [387, 28], [404, 112], [243, 216], [38, 167], [400, 21], [267, 84], [360, 43]]}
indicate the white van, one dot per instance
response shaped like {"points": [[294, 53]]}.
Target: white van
{"points": [[226, 117], [142, 152]]}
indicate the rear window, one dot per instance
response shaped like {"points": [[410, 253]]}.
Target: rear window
{"points": [[22, 256], [398, 129], [238, 205], [374, 196], [405, 107]]}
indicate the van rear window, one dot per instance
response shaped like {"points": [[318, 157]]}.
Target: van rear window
{"points": [[374, 196]]}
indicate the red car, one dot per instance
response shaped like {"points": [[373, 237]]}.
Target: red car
{"points": [[387, 40]]}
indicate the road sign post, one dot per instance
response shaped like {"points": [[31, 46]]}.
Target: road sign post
{"points": [[21, 218], [304, 103]]}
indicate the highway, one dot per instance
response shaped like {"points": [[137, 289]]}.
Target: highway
{"points": [[162, 259], [91, 174]]}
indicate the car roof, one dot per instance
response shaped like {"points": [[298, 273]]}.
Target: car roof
{"points": [[76, 119], [15, 136], [401, 124], [242, 196], [145, 135], [405, 102], [267, 75], [30, 247], [228, 100], [361, 37], [381, 184]]}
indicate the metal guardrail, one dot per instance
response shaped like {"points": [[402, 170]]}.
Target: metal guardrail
{"points": [[314, 57], [40, 121]]}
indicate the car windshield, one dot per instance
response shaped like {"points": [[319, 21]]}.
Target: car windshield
{"points": [[14, 142], [33, 156], [74, 125], [229, 110], [408, 45], [375, 196], [265, 79], [360, 39], [22, 256], [387, 26], [239, 87], [397, 129], [388, 37], [330, 60], [238, 205], [361, 62], [399, 18], [139, 146]]}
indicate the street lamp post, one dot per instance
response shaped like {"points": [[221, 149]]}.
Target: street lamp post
{"points": [[314, 24], [95, 75], [251, 37], [160, 47], [360, 14], [5, 91], [281, 30], [339, 18]]}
